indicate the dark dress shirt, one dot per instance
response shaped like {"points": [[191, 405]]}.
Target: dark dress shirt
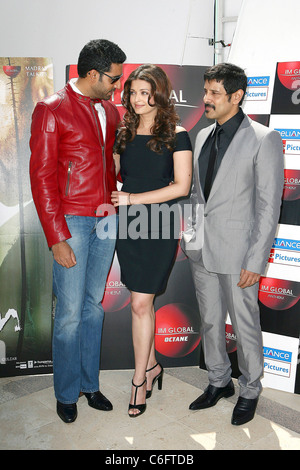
{"points": [[226, 134]]}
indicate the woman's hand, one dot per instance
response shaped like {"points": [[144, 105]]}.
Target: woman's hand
{"points": [[120, 198]]}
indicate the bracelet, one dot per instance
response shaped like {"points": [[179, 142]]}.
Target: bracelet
{"points": [[129, 202]]}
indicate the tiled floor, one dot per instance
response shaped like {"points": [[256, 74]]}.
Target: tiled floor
{"points": [[28, 418]]}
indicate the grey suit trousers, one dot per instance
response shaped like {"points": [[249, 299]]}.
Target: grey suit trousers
{"points": [[218, 294]]}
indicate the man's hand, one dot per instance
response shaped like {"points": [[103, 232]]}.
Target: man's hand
{"points": [[63, 254], [247, 278]]}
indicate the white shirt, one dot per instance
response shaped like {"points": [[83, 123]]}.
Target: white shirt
{"points": [[98, 106]]}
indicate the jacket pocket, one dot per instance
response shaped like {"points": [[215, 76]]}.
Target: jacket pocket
{"points": [[239, 224], [69, 172]]}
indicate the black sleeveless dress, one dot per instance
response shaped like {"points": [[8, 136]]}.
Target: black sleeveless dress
{"points": [[148, 234]]}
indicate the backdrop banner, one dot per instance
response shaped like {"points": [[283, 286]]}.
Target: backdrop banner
{"points": [[273, 98], [25, 261], [177, 337]]}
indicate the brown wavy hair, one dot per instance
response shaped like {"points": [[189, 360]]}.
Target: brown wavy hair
{"points": [[166, 119]]}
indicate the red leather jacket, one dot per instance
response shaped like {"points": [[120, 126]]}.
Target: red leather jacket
{"points": [[71, 170]]}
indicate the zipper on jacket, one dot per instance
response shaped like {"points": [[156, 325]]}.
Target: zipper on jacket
{"points": [[102, 147], [104, 167], [68, 178]]}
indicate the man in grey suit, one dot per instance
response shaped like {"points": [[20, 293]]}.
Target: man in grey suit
{"points": [[235, 205]]}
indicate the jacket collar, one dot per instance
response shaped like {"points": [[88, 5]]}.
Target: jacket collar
{"points": [[79, 96]]}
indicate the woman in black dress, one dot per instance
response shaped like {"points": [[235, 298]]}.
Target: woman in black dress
{"points": [[154, 157]]}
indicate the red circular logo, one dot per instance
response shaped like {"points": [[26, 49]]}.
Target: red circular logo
{"points": [[278, 294], [11, 70], [230, 339], [176, 330], [291, 191], [287, 73]]}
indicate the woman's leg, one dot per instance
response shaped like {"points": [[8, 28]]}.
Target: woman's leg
{"points": [[143, 323], [152, 370]]}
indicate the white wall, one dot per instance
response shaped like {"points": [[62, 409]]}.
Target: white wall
{"points": [[267, 32], [158, 31], [227, 12]]}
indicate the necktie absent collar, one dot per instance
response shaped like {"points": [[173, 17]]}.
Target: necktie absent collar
{"points": [[96, 101]]}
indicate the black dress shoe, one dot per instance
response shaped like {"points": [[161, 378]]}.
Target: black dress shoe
{"points": [[98, 401], [67, 412], [211, 396], [244, 411]]}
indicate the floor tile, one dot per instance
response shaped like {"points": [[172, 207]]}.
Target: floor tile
{"points": [[28, 418]]}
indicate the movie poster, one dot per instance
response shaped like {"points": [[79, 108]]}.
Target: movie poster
{"points": [[25, 261]]}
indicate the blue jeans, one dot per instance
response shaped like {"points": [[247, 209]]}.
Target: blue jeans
{"points": [[79, 314]]}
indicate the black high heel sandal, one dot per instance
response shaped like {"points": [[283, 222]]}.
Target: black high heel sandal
{"points": [[140, 408], [158, 378]]}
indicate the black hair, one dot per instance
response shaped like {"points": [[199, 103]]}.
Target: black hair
{"points": [[164, 125], [232, 77], [99, 54]]}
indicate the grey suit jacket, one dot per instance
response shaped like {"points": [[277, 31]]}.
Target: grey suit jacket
{"points": [[235, 228]]}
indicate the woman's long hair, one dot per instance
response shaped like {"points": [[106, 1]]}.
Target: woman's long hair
{"points": [[166, 119]]}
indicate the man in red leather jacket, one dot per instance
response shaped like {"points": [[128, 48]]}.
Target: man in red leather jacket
{"points": [[72, 176]]}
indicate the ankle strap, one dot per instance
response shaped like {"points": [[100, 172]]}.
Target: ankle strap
{"points": [[157, 364], [137, 386]]}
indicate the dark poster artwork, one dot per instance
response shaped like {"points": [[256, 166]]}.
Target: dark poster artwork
{"points": [[177, 333], [187, 82], [177, 337]]}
